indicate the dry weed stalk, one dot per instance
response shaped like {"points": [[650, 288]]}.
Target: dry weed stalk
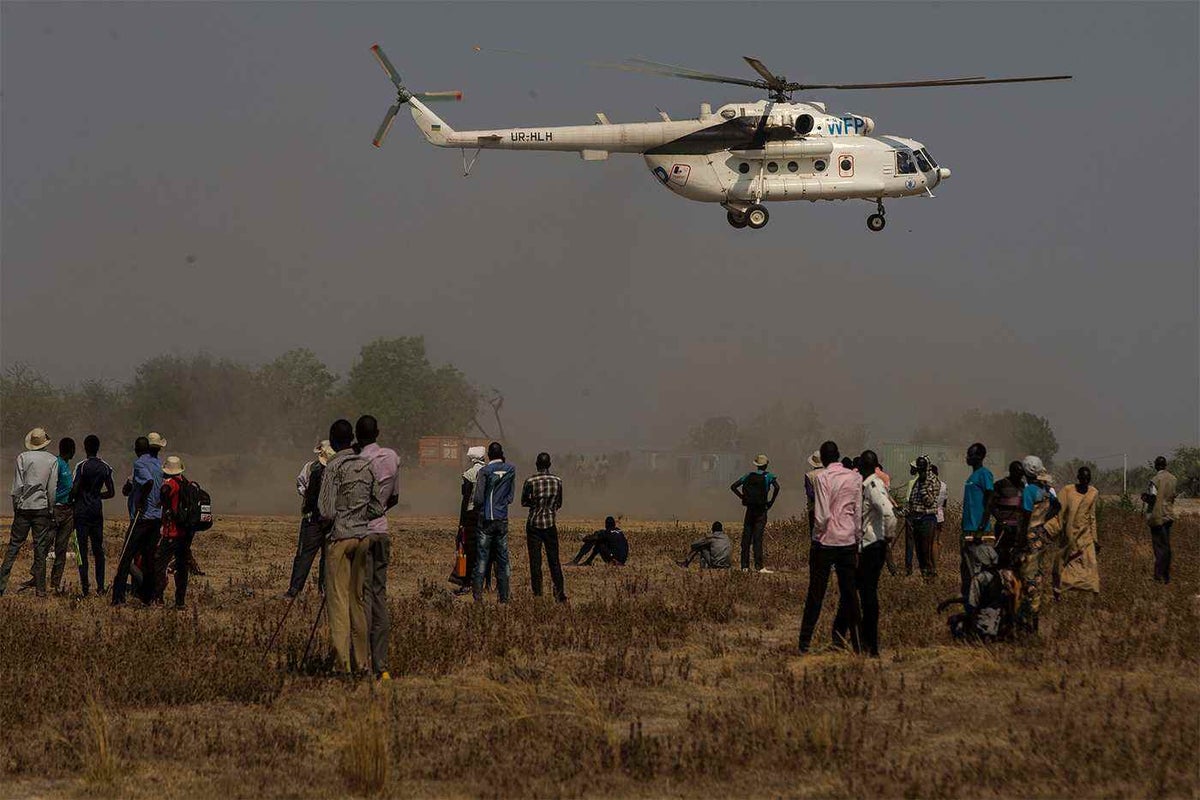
{"points": [[364, 757], [100, 764]]}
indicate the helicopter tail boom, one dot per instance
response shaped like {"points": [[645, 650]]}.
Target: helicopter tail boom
{"points": [[436, 131]]}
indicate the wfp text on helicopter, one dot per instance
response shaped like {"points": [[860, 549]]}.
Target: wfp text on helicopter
{"points": [[741, 155]]}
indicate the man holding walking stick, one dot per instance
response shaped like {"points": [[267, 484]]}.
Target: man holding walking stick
{"points": [[145, 511]]}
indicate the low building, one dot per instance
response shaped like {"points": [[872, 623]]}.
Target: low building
{"points": [[446, 451]]}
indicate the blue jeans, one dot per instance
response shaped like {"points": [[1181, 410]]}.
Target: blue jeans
{"points": [[492, 539]]}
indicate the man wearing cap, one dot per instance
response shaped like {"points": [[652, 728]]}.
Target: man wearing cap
{"points": [[1159, 498], [145, 512], [35, 483], [385, 466], [91, 486], [836, 540], [1039, 505], [173, 543], [758, 491], [312, 527]]}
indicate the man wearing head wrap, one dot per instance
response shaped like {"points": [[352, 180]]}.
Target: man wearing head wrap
{"points": [[1039, 506], [312, 527], [468, 518]]}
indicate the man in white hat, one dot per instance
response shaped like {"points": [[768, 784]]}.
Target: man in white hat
{"points": [[35, 483], [173, 544], [758, 491], [312, 527]]}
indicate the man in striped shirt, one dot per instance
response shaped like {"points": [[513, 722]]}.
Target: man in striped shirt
{"points": [[543, 496]]}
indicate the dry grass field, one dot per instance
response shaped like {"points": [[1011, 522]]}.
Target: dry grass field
{"points": [[651, 682]]}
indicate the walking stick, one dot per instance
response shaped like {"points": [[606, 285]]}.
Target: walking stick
{"points": [[279, 627], [128, 533], [312, 634]]}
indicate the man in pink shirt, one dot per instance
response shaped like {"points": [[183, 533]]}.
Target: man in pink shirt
{"points": [[837, 535], [385, 466]]}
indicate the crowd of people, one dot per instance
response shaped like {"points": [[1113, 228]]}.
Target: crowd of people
{"points": [[1016, 533]]}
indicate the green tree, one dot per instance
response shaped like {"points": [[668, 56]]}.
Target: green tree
{"points": [[716, 435], [27, 400], [297, 391], [1018, 433], [393, 380]]}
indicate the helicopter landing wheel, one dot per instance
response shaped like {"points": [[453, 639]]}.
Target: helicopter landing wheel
{"points": [[875, 222], [737, 220], [757, 217]]}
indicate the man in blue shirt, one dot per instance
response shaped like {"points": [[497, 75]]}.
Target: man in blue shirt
{"points": [[977, 499], [757, 490], [145, 511], [64, 512], [494, 486]]}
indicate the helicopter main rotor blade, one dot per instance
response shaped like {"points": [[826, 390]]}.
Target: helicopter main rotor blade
{"points": [[671, 71], [384, 62], [385, 126], [761, 69], [939, 82]]}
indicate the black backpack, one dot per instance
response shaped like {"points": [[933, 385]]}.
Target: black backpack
{"points": [[754, 490], [195, 507]]}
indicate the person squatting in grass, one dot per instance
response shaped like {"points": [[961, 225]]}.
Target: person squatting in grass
{"points": [[836, 539], [542, 494], [878, 529], [714, 550], [1159, 498], [494, 488], [610, 544], [351, 498], [34, 485], [173, 540], [91, 486], [385, 466], [145, 514], [758, 491], [313, 527]]}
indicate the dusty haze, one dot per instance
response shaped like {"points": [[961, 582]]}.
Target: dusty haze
{"points": [[1056, 272]]}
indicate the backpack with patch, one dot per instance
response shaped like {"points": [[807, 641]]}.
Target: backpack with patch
{"points": [[195, 507], [754, 490]]}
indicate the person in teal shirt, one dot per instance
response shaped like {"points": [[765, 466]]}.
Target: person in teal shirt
{"points": [[63, 528], [977, 498]]}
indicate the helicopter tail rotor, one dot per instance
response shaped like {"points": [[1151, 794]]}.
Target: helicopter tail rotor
{"points": [[404, 95]]}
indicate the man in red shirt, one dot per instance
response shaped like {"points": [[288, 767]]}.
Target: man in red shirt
{"points": [[174, 541]]}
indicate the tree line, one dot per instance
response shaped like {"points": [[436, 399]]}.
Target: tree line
{"points": [[219, 406]]}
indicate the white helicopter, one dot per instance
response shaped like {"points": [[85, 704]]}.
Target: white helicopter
{"points": [[741, 156]]}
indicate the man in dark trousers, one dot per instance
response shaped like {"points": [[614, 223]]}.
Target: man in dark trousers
{"points": [[878, 529], [494, 489], [93, 485], [714, 550], [385, 466], [757, 490], [610, 544], [836, 539], [1159, 498], [922, 514], [312, 527], [145, 514], [543, 496]]}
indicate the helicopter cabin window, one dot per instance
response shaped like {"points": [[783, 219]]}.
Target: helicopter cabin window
{"points": [[846, 166], [904, 163], [819, 165], [922, 163], [772, 167], [932, 163], [744, 167], [793, 166]]}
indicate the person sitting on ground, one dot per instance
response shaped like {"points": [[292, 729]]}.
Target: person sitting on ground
{"points": [[714, 550], [610, 544]]}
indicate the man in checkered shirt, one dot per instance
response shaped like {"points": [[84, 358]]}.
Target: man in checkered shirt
{"points": [[543, 496]]}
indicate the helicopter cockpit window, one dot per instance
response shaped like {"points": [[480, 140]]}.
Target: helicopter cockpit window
{"points": [[922, 162], [904, 163], [729, 113], [932, 163]]}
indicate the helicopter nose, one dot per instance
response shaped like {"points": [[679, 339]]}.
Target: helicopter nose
{"points": [[943, 173]]}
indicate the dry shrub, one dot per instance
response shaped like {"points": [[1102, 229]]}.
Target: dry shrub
{"points": [[363, 761], [99, 761]]}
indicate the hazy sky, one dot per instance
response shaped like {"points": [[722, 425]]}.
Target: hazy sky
{"points": [[1055, 272]]}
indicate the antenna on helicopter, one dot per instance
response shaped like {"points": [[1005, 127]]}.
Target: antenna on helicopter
{"points": [[403, 95]]}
